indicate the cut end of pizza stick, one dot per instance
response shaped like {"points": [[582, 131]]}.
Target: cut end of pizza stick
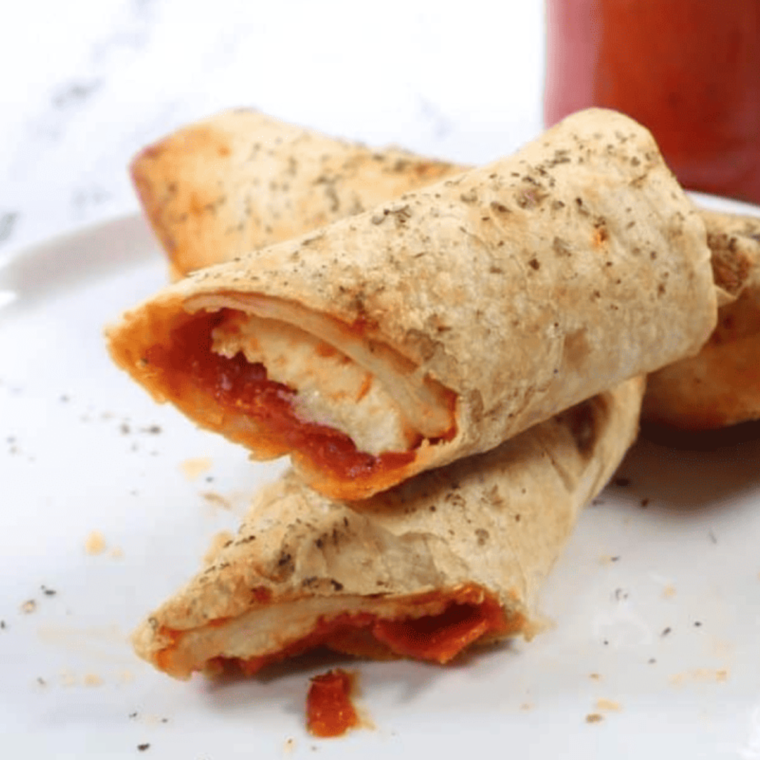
{"points": [[355, 415], [437, 326], [720, 386], [449, 560]]}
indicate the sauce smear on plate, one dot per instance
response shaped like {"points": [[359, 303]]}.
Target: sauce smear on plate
{"points": [[329, 710]]}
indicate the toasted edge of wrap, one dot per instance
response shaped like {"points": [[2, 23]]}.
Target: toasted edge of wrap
{"points": [[720, 386], [450, 559], [585, 264]]}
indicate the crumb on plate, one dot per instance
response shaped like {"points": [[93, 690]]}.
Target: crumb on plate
{"points": [[700, 675], [95, 543], [195, 467], [216, 500], [608, 705]]}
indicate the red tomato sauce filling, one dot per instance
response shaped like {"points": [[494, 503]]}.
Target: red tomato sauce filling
{"points": [[242, 388], [468, 616], [329, 711]]}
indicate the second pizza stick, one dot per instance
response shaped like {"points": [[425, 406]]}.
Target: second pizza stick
{"points": [[441, 324], [449, 560], [240, 180]]}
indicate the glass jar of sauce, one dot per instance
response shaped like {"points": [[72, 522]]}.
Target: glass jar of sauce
{"points": [[689, 70]]}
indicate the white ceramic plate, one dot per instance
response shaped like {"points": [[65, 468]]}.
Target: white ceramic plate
{"points": [[656, 608]]}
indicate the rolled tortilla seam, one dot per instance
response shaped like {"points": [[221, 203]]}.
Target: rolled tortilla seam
{"points": [[510, 292], [451, 559]]}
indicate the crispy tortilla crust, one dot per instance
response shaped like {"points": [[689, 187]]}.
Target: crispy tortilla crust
{"points": [[720, 386], [241, 180], [585, 264], [208, 203], [484, 530], [243, 161]]}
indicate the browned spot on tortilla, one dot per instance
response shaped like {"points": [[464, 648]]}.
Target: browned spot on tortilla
{"points": [[584, 421], [422, 344], [429, 170], [730, 268], [196, 206], [600, 235], [560, 247], [575, 349]]}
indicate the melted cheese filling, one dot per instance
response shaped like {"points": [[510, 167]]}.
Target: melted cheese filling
{"points": [[424, 405], [331, 389]]}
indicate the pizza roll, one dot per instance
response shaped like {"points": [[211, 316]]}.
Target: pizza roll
{"points": [[451, 559], [241, 180], [439, 325], [720, 386]]}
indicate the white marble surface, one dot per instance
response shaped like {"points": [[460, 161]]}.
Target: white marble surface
{"points": [[86, 83]]}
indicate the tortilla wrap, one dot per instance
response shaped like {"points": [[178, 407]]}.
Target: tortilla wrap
{"points": [[719, 386], [241, 180], [230, 184], [452, 558], [436, 326]]}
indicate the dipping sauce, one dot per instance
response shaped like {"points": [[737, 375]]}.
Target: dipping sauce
{"points": [[689, 70]]}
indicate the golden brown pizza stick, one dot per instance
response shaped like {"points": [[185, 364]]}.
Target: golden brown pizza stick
{"points": [[241, 180], [436, 326], [451, 559]]}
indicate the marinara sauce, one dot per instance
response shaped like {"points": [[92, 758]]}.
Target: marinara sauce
{"points": [[688, 70], [238, 387], [329, 709]]}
